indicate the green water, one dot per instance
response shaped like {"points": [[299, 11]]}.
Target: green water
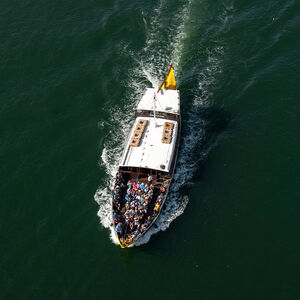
{"points": [[70, 75]]}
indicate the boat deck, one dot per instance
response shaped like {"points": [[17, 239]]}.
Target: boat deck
{"points": [[167, 101], [134, 206], [154, 150]]}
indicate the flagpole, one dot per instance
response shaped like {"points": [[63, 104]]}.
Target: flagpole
{"points": [[154, 112]]}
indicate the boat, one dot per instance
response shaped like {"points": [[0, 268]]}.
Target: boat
{"points": [[148, 162]]}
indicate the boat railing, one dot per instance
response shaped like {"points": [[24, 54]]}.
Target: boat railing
{"points": [[158, 114], [162, 182]]}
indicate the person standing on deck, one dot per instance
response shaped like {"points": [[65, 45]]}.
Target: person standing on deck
{"points": [[149, 179]]}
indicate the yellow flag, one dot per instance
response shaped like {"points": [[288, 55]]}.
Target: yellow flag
{"points": [[169, 83]]}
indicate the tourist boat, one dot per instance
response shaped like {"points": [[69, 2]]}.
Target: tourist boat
{"points": [[146, 168]]}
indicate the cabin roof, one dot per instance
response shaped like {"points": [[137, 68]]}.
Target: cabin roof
{"points": [[166, 101], [151, 153]]}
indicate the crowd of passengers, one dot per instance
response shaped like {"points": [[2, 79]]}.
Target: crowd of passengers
{"points": [[137, 216]]}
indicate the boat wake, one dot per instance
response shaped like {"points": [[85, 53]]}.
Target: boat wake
{"points": [[150, 63]]}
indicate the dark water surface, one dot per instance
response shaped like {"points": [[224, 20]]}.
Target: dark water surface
{"points": [[70, 75]]}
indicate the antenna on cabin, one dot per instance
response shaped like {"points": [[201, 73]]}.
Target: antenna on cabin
{"points": [[154, 107]]}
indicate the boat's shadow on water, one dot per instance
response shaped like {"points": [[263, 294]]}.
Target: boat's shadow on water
{"points": [[214, 127]]}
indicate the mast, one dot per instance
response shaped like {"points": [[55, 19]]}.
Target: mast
{"points": [[154, 107]]}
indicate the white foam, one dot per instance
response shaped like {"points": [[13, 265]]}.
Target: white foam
{"points": [[111, 154]]}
